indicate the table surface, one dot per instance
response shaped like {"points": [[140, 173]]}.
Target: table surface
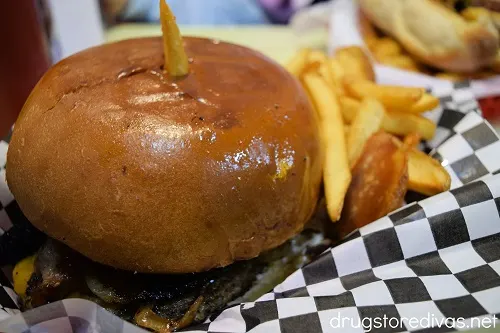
{"points": [[277, 42]]}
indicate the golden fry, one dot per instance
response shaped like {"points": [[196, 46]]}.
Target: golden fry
{"points": [[397, 123], [316, 56], [379, 183], [176, 60], [392, 97], [400, 61], [297, 64], [355, 63], [320, 60], [336, 173], [350, 108], [426, 175], [337, 75], [368, 121], [326, 73], [371, 43], [386, 47], [402, 123], [315, 60], [426, 103], [412, 140]]}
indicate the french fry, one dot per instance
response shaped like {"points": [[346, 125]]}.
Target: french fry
{"points": [[355, 63], [337, 75], [397, 123], [349, 107], [336, 173], [297, 64], [371, 43], [412, 140], [322, 67], [368, 121], [400, 61], [426, 103], [326, 73], [315, 61], [426, 175], [379, 183], [392, 97], [316, 56], [403, 123], [386, 47], [176, 61]]}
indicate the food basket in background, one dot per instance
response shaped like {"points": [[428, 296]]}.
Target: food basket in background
{"points": [[346, 30]]}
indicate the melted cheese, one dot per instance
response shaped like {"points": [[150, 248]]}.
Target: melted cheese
{"points": [[22, 273]]}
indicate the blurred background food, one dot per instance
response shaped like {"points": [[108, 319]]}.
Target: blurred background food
{"points": [[447, 35], [387, 50], [454, 40]]}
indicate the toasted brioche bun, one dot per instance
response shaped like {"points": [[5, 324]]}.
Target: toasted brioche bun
{"points": [[143, 172], [435, 34]]}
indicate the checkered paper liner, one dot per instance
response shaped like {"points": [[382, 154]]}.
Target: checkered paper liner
{"points": [[437, 258]]}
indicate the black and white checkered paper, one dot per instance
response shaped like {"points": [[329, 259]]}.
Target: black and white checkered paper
{"points": [[438, 258]]}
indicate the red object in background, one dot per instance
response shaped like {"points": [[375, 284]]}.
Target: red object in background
{"points": [[23, 58], [491, 109]]}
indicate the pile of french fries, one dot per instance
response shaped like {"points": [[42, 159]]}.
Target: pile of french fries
{"points": [[370, 134]]}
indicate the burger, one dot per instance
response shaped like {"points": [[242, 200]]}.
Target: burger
{"points": [[165, 197], [452, 35]]}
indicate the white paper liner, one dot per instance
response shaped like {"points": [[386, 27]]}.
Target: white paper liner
{"points": [[439, 257]]}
